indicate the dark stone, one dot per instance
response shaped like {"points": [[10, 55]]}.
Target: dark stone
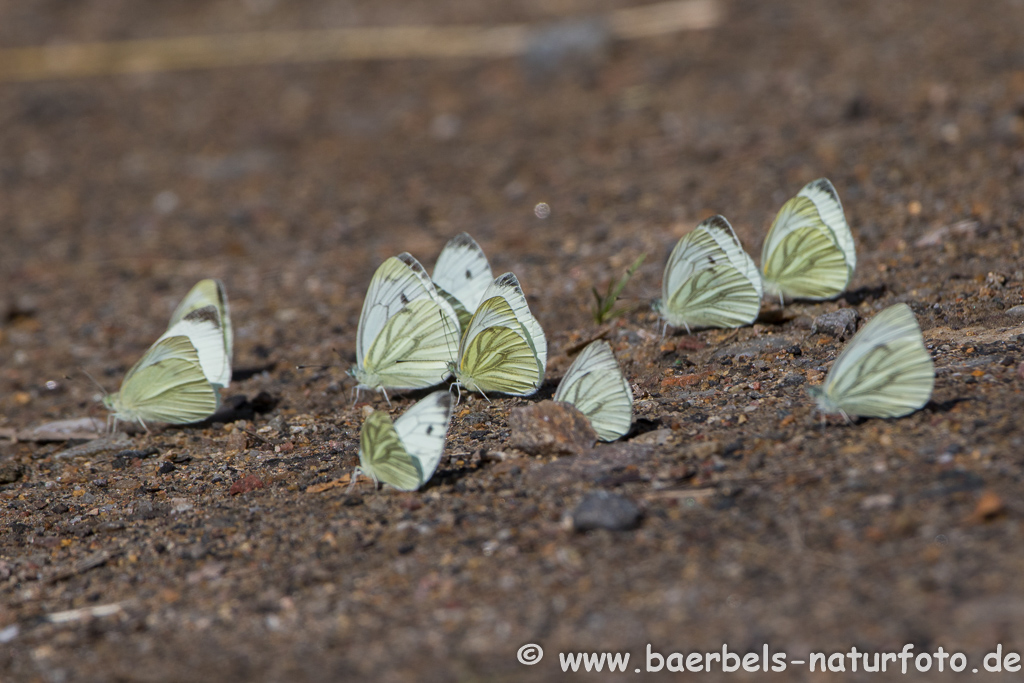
{"points": [[793, 379], [166, 468], [604, 510]]}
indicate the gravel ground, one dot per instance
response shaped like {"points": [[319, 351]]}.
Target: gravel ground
{"points": [[234, 550]]}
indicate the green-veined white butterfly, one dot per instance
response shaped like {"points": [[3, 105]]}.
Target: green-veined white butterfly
{"points": [[462, 275], [406, 330], [709, 280], [595, 385], [503, 348], [166, 385], [885, 370], [809, 251], [404, 454], [203, 316]]}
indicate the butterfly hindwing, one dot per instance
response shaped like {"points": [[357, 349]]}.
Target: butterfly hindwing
{"points": [[166, 385], [406, 329], [495, 354], [595, 385], [507, 286]]}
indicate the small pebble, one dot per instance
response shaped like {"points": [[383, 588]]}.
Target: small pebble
{"points": [[839, 324], [604, 510], [551, 427]]}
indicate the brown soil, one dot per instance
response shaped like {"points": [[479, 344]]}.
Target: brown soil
{"points": [[248, 560]]}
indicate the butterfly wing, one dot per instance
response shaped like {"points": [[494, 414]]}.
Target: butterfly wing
{"points": [[203, 328], [167, 385], [507, 286], [463, 274], [495, 354], [830, 209], [413, 349], [709, 280], [885, 371], [383, 457], [206, 294], [595, 385], [801, 257], [423, 429]]}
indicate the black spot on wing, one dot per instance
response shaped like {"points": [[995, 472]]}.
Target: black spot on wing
{"points": [[204, 314], [469, 274], [403, 298], [430, 429]]}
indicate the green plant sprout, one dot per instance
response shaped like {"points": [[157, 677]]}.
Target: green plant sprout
{"points": [[604, 306]]}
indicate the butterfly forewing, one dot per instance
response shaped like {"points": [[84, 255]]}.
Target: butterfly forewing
{"points": [[595, 385], [405, 454], [463, 273], [207, 301], [423, 429], [203, 328]]}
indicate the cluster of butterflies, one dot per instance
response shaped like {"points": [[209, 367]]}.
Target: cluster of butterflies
{"points": [[417, 331], [808, 254]]}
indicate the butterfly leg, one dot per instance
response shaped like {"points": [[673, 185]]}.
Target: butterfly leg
{"points": [[687, 328], [388, 400], [845, 416]]}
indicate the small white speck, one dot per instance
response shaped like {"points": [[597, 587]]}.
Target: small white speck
{"points": [[542, 210]]}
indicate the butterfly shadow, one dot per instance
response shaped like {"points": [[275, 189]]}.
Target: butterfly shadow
{"points": [[945, 406], [855, 297], [239, 407]]}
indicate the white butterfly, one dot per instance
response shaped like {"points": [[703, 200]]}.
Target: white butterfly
{"points": [[709, 280], [462, 275], [809, 251], [203, 316], [406, 330], [405, 454], [595, 385], [885, 370], [166, 385], [503, 348]]}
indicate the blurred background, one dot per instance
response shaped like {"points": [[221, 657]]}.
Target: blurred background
{"points": [[144, 146]]}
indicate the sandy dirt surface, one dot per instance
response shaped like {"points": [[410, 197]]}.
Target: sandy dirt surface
{"points": [[233, 551]]}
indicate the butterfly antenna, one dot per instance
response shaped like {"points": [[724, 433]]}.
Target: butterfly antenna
{"points": [[91, 379]]}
